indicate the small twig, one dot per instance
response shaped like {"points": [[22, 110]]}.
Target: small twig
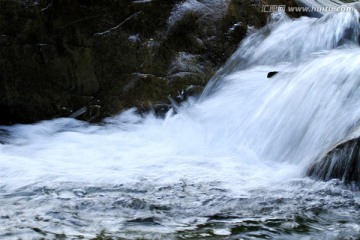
{"points": [[47, 7], [119, 25], [80, 20]]}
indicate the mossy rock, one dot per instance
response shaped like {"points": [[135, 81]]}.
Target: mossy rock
{"points": [[93, 59]]}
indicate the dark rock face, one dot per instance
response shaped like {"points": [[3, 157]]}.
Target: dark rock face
{"points": [[100, 57], [342, 162]]}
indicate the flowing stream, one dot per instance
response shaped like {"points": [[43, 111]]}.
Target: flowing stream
{"points": [[229, 165]]}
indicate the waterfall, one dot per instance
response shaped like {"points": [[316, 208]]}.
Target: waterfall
{"points": [[288, 40], [247, 135]]}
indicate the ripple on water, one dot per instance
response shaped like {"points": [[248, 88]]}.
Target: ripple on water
{"points": [[290, 210]]}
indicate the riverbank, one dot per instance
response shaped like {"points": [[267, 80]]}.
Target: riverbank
{"points": [[91, 60]]}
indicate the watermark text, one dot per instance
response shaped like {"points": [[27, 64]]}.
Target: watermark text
{"points": [[283, 8]]}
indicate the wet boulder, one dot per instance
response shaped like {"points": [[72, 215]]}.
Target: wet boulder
{"points": [[341, 162]]}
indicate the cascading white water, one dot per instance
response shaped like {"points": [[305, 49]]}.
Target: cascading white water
{"points": [[285, 40], [242, 147]]}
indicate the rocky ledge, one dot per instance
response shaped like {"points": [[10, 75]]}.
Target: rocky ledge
{"points": [[92, 59]]}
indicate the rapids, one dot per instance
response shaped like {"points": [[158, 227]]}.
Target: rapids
{"points": [[229, 163]]}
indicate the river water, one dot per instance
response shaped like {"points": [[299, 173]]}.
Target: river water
{"points": [[228, 165]]}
